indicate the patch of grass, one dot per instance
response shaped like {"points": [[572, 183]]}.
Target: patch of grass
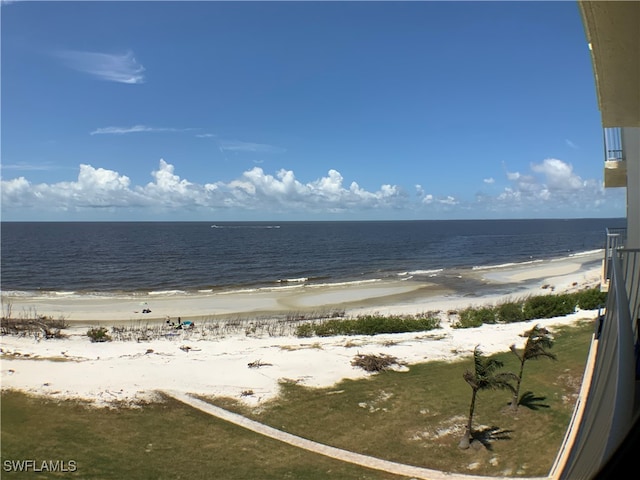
{"points": [[418, 417], [158, 441], [415, 417]]}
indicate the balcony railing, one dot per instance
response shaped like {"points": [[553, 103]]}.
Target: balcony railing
{"points": [[606, 408], [613, 144], [615, 166], [630, 260], [616, 239]]}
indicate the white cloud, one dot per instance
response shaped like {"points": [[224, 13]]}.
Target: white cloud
{"points": [[121, 68], [571, 144], [29, 167], [558, 174], [134, 129], [489, 180], [237, 146], [449, 200], [95, 188], [550, 186]]}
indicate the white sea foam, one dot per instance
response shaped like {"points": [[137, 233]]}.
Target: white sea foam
{"points": [[344, 284], [293, 280], [63, 294], [285, 286], [431, 273], [506, 265], [586, 253]]}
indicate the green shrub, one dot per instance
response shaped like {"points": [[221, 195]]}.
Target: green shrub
{"points": [[475, 317], [369, 325], [549, 306], [591, 299], [99, 334], [510, 312], [305, 330]]}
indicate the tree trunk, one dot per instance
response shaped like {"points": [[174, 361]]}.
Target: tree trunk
{"points": [[466, 439], [516, 396]]}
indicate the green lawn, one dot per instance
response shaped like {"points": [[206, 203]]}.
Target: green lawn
{"points": [[413, 417]]}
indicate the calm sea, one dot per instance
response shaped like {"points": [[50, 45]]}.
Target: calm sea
{"points": [[188, 257]]}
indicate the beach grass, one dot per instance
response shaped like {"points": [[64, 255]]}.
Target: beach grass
{"points": [[414, 417]]}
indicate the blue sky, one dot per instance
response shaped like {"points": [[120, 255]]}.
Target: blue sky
{"points": [[299, 111]]}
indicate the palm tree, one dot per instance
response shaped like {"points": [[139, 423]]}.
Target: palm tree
{"points": [[538, 341], [484, 377]]}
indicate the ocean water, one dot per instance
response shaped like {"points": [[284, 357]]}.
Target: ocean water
{"points": [[141, 258]]}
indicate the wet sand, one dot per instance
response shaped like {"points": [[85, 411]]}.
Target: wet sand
{"points": [[400, 295]]}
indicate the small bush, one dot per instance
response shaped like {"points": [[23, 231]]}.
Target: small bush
{"points": [[510, 312], [591, 299], [475, 317], [369, 325], [98, 334], [549, 306], [305, 330]]}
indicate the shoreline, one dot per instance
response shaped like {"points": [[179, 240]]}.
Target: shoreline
{"points": [[131, 372], [384, 295]]}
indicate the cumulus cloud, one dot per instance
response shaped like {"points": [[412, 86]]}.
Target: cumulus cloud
{"points": [[95, 188], [253, 190], [430, 199], [558, 174], [489, 181], [551, 185], [121, 68], [548, 186]]}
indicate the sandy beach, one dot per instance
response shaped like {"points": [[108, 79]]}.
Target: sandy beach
{"points": [[190, 361]]}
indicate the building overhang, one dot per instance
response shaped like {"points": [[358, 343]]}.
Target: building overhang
{"points": [[613, 32]]}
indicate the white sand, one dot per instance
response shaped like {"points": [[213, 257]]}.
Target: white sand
{"points": [[130, 371]]}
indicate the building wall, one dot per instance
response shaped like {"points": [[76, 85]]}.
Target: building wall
{"points": [[631, 146]]}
